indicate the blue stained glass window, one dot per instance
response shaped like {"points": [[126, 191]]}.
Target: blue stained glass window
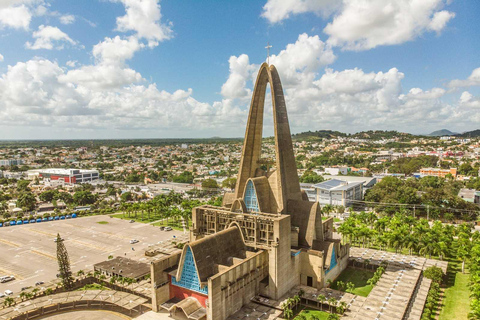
{"points": [[333, 261], [189, 279], [251, 200]]}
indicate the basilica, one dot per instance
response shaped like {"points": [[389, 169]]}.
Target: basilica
{"points": [[265, 239]]}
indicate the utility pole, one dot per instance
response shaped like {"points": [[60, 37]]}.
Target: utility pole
{"points": [[428, 212]]}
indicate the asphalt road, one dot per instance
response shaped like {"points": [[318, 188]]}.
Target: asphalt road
{"points": [[28, 252]]}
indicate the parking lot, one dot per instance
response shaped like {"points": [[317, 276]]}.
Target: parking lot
{"points": [[28, 252]]}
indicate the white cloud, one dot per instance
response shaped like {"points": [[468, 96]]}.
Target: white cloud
{"points": [[1, 58], [71, 63], [17, 17], [116, 50], [240, 72], [362, 25], [299, 62], [143, 17], [47, 36], [278, 10], [440, 20], [472, 80], [67, 19], [468, 100], [419, 94]]}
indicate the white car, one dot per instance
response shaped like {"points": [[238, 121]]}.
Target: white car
{"points": [[133, 241], [2, 295], [6, 279], [8, 292]]}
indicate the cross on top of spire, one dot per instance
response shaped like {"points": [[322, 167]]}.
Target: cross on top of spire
{"points": [[268, 52]]}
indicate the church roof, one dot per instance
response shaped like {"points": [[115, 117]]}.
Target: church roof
{"points": [[217, 249]]}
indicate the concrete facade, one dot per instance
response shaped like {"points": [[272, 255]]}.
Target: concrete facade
{"points": [[285, 241]]}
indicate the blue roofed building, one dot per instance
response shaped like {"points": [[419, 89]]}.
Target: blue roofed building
{"points": [[338, 192]]}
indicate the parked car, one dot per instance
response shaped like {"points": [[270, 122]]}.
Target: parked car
{"points": [[68, 216], [162, 228], [50, 218], [62, 217], [25, 221], [6, 279], [39, 283], [8, 292], [39, 220], [57, 218], [2, 295], [132, 221], [25, 288], [133, 241], [168, 229]]}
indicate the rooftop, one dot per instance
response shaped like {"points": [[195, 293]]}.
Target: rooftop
{"points": [[124, 267]]}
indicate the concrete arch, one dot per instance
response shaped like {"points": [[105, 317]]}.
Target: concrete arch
{"points": [[287, 183]]}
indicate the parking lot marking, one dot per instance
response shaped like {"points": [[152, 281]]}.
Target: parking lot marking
{"points": [[10, 273], [44, 254], [103, 249], [43, 232], [10, 243]]}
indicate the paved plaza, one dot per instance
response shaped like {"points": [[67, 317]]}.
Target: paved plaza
{"points": [[28, 252]]}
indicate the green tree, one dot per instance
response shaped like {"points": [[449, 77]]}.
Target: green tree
{"points": [[209, 184], [311, 177], [27, 201], [229, 183], [64, 264], [83, 198], [126, 196], [22, 185]]}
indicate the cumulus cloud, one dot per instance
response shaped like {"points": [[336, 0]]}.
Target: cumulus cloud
{"points": [[362, 25], [71, 63], [16, 17], [67, 19], [240, 72], [278, 10], [143, 17], [468, 100], [116, 50], [472, 80], [48, 37]]}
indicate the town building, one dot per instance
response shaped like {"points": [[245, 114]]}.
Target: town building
{"points": [[11, 162], [438, 172], [338, 192], [264, 240], [65, 175]]}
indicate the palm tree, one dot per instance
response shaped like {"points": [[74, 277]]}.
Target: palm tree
{"points": [[8, 301], [344, 306], [296, 299], [80, 273], [332, 302], [350, 287], [23, 295], [288, 313], [341, 285], [321, 298], [34, 291]]}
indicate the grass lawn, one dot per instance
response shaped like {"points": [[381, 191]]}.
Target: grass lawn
{"points": [[102, 222], [308, 313], [456, 303], [359, 277], [176, 225]]}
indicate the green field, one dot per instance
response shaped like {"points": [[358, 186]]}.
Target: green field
{"points": [[456, 303], [102, 222], [308, 313], [359, 277]]}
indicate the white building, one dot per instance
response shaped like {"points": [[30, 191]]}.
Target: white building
{"points": [[65, 175], [338, 192], [336, 171]]}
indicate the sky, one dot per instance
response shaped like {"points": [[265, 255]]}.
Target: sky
{"points": [[107, 69]]}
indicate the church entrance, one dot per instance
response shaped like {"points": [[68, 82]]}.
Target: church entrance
{"points": [[309, 281]]}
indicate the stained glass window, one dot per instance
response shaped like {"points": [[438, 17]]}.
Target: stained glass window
{"points": [[251, 200], [189, 279], [333, 261]]}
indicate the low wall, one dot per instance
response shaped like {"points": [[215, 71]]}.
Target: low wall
{"points": [[78, 306]]}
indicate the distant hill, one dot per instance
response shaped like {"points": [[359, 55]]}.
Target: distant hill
{"points": [[381, 134], [327, 134], [443, 132], [469, 134]]}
